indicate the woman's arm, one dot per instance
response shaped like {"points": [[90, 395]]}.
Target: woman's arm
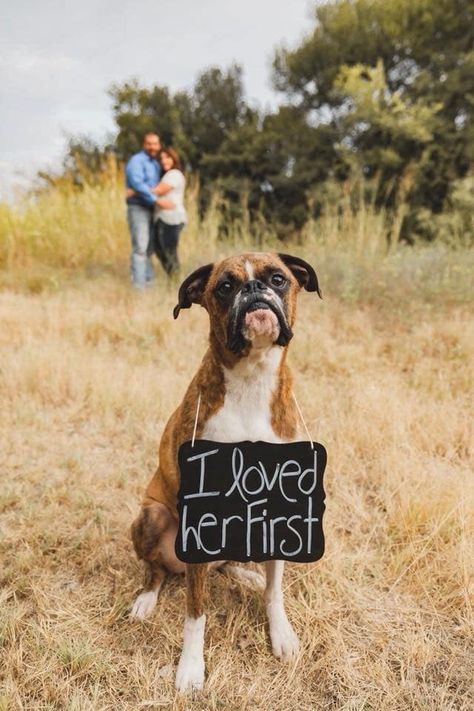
{"points": [[162, 188], [164, 203]]}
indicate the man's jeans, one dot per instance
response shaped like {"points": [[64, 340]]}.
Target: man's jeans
{"points": [[140, 222]]}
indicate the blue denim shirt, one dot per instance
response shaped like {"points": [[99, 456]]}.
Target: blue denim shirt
{"points": [[142, 173]]}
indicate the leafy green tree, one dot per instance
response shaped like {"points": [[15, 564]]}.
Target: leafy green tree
{"points": [[385, 132], [218, 107], [137, 110], [196, 122], [418, 58]]}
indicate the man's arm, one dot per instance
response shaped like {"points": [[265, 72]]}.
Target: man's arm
{"points": [[135, 180]]}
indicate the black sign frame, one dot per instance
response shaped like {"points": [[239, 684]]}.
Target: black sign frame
{"points": [[251, 501]]}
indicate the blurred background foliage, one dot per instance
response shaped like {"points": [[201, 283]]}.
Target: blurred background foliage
{"points": [[380, 93]]}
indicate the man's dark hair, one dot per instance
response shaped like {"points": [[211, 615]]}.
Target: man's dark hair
{"points": [[150, 133]]}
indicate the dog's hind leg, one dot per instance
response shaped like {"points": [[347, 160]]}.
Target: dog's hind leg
{"points": [[152, 532], [146, 601], [250, 578]]}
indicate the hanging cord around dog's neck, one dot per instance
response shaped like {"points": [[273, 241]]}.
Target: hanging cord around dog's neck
{"points": [[303, 420], [196, 419], [310, 439]]}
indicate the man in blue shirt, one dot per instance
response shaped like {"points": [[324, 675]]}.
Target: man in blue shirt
{"points": [[143, 175]]}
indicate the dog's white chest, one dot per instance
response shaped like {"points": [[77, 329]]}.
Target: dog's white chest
{"points": [[246, 412]]}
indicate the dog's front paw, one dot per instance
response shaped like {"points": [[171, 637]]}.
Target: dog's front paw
{"points": [[190, 673], [285, 643], [144, 605]]}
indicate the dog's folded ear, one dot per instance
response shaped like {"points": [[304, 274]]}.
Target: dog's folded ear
{"points": [[192, 289], [303, 272]]}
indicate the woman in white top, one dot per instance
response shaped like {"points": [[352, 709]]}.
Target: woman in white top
{"points": [[168, 222]]}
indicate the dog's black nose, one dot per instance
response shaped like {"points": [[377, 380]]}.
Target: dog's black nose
{"points": [[253, 286]]}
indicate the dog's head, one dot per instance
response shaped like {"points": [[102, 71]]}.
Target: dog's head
{"points": [[250, 298]]}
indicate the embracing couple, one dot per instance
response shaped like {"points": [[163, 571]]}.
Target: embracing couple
{"points": [[155, 209]]}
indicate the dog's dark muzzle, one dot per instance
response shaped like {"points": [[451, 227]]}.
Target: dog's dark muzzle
{"points": [[254, 295]]}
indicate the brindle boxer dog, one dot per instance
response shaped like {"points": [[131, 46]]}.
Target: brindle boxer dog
{"points": [[246, 394]]}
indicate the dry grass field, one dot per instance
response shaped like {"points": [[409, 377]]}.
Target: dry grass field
{"points": [[89, 373]]}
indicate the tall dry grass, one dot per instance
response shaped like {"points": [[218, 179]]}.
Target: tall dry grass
{"points": [[65, 231], [81, 224], [90, 371], [76, 227]]}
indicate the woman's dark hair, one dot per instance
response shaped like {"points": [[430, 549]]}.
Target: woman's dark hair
{"points": [[173, 155]]}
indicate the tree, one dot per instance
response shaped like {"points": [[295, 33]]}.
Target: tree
{"points": [[218, 106], [137, 110], [419, 56], [385, 132], [195, 122]]}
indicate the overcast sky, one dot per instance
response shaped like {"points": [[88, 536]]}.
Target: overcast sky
{"points": [[57, 59]]}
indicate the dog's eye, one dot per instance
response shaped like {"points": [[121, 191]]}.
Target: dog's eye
{"points": [[225, 288], [278, 280]]}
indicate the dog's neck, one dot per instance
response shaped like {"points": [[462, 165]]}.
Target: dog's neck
{"points": [[259, 365], [251, 356], [254, 361], [252, 396]]}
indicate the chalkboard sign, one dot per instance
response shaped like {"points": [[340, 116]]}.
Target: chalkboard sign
{"points": [[250, 501]]}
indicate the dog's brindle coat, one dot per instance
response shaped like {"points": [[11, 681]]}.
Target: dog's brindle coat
{"points": [[246, 394]]}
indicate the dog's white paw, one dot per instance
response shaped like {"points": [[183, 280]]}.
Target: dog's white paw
{"points": [[144, 605], [190, 673], [285, 643], [251, 578]]}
